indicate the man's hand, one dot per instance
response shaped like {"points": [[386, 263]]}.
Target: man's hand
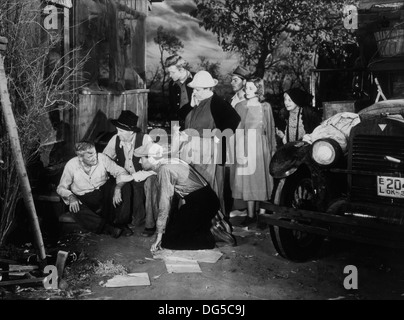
{"points": [[142, 175], [117, 198], [183, 136], [176, 128], [74, 204], [157, 244]]}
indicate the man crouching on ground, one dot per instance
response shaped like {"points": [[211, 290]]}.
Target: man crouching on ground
{"points": [[193, 225], [97, 201]]}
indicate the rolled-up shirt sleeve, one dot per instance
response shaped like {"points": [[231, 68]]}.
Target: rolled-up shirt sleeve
{"points": [[64, 187], [147, 139], [166, 193], [119, 173]]}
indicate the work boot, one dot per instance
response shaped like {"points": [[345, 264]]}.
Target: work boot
{"points": [[114, 232], [248, 221], [127, 232], [223, 236], [148, 232]]}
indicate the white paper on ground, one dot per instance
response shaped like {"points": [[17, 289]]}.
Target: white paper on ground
{"points": [[129, 280], [184, 266], [207, 256]]}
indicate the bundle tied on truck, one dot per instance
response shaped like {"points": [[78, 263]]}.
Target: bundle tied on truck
{"points": [[390, 42]]}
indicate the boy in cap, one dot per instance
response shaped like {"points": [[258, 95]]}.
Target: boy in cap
{"points": [[179, 93], [192, 226], [121, 148]]}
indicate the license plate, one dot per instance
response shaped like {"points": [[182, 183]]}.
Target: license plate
{"points": [[391, 187]]}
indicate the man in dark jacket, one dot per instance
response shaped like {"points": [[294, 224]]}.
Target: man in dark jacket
{"points": [[178, 90], [213, 120]]}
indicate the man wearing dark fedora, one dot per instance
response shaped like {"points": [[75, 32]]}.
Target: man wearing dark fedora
{"points": [[238, 81], [120, 148]]}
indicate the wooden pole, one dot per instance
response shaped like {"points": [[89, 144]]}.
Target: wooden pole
{"points": [[16, 149]]}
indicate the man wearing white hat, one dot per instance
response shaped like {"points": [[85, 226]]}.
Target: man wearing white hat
{"points": [[193, 225], [210, 112]]}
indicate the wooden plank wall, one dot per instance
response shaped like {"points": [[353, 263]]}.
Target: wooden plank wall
{"points": [[94, 111]]}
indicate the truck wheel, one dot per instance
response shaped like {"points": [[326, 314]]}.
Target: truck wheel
{"points": [[296, 245]]}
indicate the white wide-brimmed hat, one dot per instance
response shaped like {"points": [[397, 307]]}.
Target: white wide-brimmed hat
{"points": [[203, 79], [150, 150]]}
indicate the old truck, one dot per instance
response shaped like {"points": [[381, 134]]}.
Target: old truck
{"points": [[357, 193]]}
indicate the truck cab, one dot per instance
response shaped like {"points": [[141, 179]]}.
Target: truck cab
{"points": [[352, 190]]}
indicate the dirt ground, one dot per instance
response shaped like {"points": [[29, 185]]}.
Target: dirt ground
{"points": [[252, 270]]}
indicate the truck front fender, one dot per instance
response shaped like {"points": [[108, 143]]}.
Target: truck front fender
{"points": [[288, 158]]}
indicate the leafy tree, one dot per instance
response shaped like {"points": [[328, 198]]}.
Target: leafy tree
{"points": [[212, 67], [155, 76], [272, 34], [167, 42]]}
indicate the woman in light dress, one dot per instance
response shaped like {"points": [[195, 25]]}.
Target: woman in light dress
{"points": [[255, 141]]}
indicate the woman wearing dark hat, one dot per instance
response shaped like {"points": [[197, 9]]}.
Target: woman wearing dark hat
{"points": [[120, 148], [298, 118]]}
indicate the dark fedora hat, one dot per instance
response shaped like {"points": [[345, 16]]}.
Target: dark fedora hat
{"points": [[241, 72], [127, 121]]}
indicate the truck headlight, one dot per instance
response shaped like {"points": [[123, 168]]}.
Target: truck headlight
{"points": [[326, 152]]}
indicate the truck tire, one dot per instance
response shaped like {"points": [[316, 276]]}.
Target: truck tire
{"points": [[296, 245]]}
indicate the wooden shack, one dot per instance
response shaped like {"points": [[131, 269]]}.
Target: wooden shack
{"points": [[109, 38]]}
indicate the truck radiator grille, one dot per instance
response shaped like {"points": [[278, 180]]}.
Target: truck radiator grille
{"points": [[368, 154]]}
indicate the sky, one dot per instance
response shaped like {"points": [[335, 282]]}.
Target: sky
{"points": [[173, 16]]}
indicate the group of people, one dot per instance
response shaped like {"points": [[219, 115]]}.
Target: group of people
{"points": [[178, 192]]}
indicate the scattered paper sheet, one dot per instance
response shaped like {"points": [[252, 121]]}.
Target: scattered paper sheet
{"points": [[207, 256], [129, 280], [184, 266]]}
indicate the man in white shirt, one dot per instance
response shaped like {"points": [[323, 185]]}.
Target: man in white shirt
{"points": [[100, 204], [120, 148]]}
